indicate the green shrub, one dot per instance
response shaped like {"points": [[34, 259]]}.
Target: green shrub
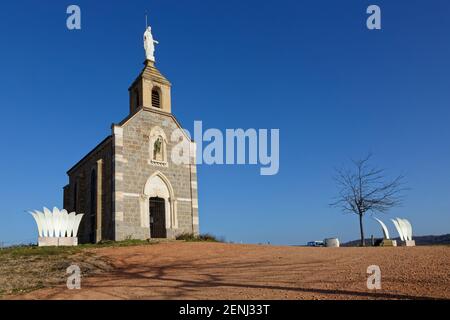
{"points": [[209, 237], [203, 237], [125, 243], [23, 251], [186, 237]]}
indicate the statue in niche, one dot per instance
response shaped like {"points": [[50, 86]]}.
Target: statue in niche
{"points": [[158, 149]]}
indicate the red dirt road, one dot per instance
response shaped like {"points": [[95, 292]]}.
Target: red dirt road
{"points": [[228, 271]]}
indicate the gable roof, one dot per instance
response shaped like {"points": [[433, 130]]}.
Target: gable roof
{"points": [[98, 147], [153, 110]]}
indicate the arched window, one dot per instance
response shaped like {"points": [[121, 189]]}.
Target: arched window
{"points": [[93, 208], [156, 98], [136, 98], [75, 196]]}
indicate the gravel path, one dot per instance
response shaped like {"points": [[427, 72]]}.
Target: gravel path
{"points": [[230, 271]]}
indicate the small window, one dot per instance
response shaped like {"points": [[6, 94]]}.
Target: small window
{"points": [[156, 99]]}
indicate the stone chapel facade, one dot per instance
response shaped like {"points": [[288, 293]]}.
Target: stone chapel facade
{"points": [[128, 186]]}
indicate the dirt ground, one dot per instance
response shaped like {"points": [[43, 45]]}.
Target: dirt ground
{"points": [[230, 271]]}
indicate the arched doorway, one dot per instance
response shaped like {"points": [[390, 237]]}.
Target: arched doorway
{"points": [[158, 207], [158, 218]]}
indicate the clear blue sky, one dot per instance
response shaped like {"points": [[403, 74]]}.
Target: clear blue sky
{"points": [[310, 68]]}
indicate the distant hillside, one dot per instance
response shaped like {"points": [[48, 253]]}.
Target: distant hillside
{"points": [[420, 241]]}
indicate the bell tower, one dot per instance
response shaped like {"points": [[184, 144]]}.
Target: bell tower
{"points": [[150, 90]]}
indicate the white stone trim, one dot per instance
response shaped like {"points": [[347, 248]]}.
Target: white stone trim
{"points": [[119, 176], [164, 164], [175, 213], [166, 193], [145, 212], [194, 184], [126, 194], [120, 158], [119, 216], [193, 152], [118, 134], [118, 131], [195, 203], [169, 217], [119, 196], [184, 199]]}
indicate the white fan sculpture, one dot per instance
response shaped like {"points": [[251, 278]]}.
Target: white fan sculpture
{"points": [[57, 223], [403, 227]]}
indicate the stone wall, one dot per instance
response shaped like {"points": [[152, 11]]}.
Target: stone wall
{"points": [[100, 160], [133, 168]]}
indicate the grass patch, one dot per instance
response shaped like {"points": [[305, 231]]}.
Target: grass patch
{"points": [[27, 268], [29, 251], [33, 250], [24, 269], [203, 237], [124, 243]]}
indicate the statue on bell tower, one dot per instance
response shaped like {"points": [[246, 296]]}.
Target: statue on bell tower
{"points": [[149, 44]]}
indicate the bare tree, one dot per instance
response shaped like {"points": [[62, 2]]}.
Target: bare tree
{"points": [[365, 189]]}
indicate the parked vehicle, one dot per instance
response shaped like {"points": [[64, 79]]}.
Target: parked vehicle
{"points": [[315, 244]]}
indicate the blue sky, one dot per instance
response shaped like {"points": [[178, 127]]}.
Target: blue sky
{"points": [[311, 68]]}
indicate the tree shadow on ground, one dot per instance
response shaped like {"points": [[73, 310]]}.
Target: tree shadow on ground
{"points": [[177, 280]]}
